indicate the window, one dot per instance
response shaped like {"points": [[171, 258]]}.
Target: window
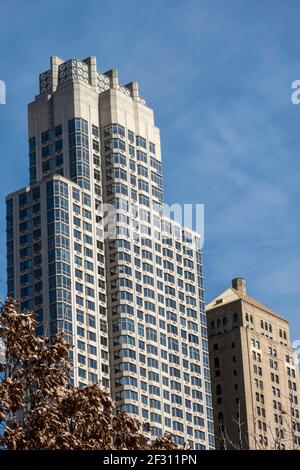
{"points": [[114, 129], [140, 141], [131, 136], [141, 156], [152, 147], [58, 131], [217, 362], [95, 131], [78, 124]]}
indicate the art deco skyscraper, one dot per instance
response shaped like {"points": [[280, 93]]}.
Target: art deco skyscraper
{"points": [[131, 304]]}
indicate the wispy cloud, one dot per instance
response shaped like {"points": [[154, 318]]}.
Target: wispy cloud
{"points": [[218, 75]]}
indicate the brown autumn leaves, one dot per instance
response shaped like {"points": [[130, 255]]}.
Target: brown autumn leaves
{"points": [[38, 410]]}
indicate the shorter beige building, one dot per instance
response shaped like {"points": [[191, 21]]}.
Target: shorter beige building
{"points": [[255, 376]]}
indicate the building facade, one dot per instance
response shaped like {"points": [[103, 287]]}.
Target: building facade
{"points": [[255, 376], [128, 294]]}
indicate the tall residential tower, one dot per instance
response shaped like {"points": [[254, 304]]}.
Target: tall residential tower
{"points": [[131, 302]]}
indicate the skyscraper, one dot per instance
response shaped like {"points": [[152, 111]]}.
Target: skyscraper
{"points": [[255, 376], [131, 302]]}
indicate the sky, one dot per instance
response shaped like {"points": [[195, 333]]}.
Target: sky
{"points": [[218, 75]]}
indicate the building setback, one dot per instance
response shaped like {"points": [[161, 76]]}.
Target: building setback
{"points": [[255, 377], [132, 304]]}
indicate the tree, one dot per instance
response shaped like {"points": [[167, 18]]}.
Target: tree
{"points": [[285, 435], [38, 407]]}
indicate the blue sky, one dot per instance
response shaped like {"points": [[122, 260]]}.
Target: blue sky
{"points": [[218, 75]]}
